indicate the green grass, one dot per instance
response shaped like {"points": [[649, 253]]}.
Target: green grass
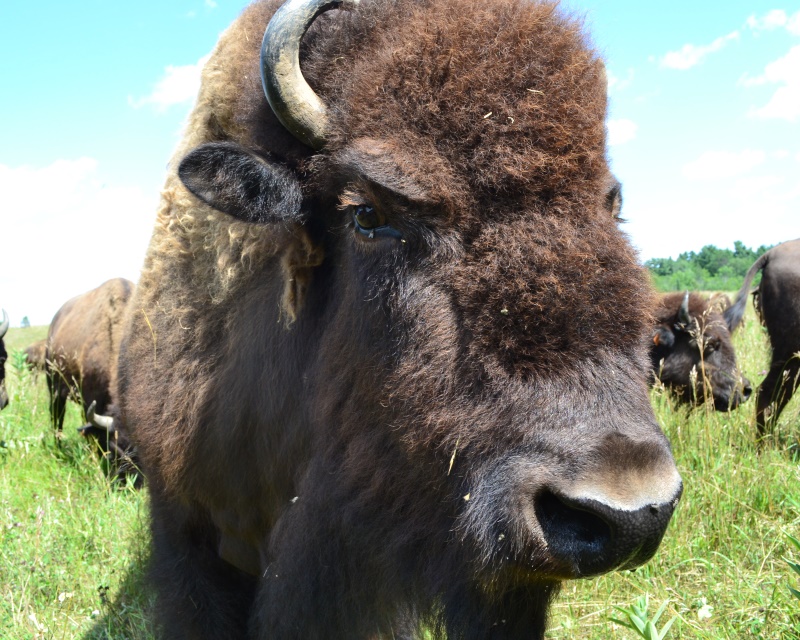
{"points": [[721, 565], [72, 549], [18, 339]]}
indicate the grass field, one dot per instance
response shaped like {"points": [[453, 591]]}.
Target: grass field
{"points": [[73, 549]]}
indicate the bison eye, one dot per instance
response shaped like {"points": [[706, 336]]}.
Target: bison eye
{"points": [[370, 222], [712, 344], [367, 217]]}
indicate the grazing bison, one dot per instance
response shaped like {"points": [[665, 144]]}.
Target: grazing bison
{"points": [[692, 353], [777, 301], [82, 345], [4, 324], [386, 363], [36, 356]]}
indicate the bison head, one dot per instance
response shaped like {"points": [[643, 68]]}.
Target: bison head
{"points": [[457, 393], [692, 353]]}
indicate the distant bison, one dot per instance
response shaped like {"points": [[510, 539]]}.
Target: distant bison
{"points": [[385, 364], [82, 346], [4, 324], [36, 355], [692, 353], [777, 301]]}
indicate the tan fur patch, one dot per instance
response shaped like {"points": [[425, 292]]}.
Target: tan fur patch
{"points": [[297, 263]]}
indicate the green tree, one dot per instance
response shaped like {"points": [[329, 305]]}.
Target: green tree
{"points": [[710, 269]]}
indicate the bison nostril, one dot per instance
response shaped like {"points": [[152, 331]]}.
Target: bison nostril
{"points": [[569, 531], [747, 391], [589, 534]]}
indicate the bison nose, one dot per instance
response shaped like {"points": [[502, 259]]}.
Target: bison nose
{"points": [[588, 536]]}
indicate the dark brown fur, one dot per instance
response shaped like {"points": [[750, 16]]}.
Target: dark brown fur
{"points": [[347, 438], [696, 359], [777, 300]]}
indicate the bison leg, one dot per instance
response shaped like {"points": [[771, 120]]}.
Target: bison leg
{"points": [[775, 392], [59, 393], [199, 595]]}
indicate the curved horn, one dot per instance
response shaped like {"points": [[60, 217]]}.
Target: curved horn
{"points": [[294, 103], [683, 312], [100, 421], [4, 325]]}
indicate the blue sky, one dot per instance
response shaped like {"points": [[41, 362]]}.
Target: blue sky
{"points": [[704, 126]]}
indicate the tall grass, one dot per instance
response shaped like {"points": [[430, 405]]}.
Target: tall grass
{"points": [[73, 548], [721, 565]]}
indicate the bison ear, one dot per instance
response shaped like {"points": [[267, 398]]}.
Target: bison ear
{"points": [[613, 202], [663, 337], [233, 180]]}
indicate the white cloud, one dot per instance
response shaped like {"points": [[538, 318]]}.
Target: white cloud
{"points": [[621, 131], [771, 20], [793, 24], [68, 233], [714, 165], [178, 85], [775, 19], [751, 187], [785, 102], [690, 55], [211, 4], [760, 212]]}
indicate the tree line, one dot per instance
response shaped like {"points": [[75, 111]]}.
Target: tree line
{"points": [[710, 269]]}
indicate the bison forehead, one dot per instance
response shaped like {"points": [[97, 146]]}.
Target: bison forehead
{"points": [[708, 312], [510, 96], [539, 295]]}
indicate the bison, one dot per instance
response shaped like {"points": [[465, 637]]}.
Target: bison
{"points": [[4, 324], [777, 302], [386, 364], [692, 354], [36, 356], [82, 345]]}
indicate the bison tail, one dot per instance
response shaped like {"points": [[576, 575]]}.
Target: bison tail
{"points": [[735, 313]]}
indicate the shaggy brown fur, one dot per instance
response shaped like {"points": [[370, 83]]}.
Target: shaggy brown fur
{"points": [[696, 359], [82, 346], [777, 300], [354, 438]]}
